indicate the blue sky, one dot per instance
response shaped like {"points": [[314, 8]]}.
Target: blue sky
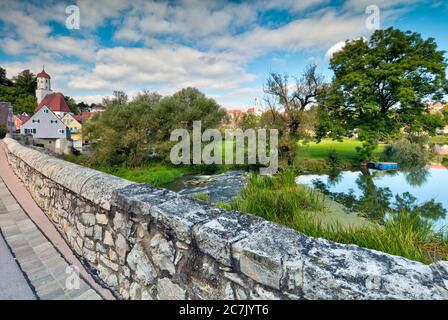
{"points": [[224, 48]]}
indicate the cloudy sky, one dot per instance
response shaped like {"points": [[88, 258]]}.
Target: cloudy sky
{"points": [[224, 48]]}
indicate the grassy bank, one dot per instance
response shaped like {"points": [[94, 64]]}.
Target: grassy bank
{"points": [[439, 139], [280, 199], [312, 156], [154, 173]]}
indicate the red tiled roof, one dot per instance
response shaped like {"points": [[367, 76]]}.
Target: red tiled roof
{"points": [[54, 101], [43, 74], [437, 105], [23, 118], [78, 118], [87, 115], [251, 109]]}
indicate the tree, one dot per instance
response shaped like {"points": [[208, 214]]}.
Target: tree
{"points": [[26, 82], [294, 104], [3, 79], [380, 86], [128, 133], [72, 105], [20, 93]]}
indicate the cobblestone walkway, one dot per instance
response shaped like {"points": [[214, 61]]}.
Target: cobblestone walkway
{"points": [[43, 265]]}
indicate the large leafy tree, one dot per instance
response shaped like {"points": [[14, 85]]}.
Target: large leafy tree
{"points": [[26, 82], [3, 79], [380, 87], [130, 132], [20, 91]]}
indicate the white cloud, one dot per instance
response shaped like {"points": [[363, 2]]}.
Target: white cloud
{"points": [[36, 37], [206, 44], [168, 65], [309, 33], [338, 46]]}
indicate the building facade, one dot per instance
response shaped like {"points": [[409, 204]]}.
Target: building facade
{"points": [[75, 128], [45, 124], [43, 86]]}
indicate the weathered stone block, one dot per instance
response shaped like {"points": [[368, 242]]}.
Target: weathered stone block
{"points": [[108, 240], [108, 263], [97, 232], [167, 290], [162, 253], [101, 218], [121, 246], [216, 236], [88, 219], [139, 262]]}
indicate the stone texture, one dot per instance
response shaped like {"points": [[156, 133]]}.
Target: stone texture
{"points": [[139, 262], [108, 240], [216, 236], [167, 290], [162, 253], [101, 218], [181, 248]]}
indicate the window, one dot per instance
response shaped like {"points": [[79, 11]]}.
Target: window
{"points": [[34, 130], [46, 110], [61, 131]]}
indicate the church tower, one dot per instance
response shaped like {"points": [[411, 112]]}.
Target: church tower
{"points": [[43, 85]]}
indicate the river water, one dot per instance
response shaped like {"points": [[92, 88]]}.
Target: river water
{"points": [[426, 188], [372, 192]]}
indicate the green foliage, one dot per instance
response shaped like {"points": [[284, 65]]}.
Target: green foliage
{"points": [[291, 111], [409, 152], [132, 133], [314, 157], [25, 82], [278, 197], [333, 159], [439, 139], [380, 85], [73, 105], [20, 91], [280, 200], [2, 131]]}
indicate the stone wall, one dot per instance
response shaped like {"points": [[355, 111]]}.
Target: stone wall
{"points": [[151, 243]]}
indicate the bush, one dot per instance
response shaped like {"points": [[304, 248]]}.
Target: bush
{"points": [[333, 160], [408, 153]]}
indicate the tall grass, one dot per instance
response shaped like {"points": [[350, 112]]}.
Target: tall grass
{"points": [[281, 200]]}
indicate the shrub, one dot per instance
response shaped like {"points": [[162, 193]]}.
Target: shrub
{"points": [[407, 153], [333, 160]]}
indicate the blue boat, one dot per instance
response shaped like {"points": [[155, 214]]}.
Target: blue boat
{"points": [[382, 165]]}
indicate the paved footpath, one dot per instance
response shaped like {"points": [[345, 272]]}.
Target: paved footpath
{"points": [[35, 261]]}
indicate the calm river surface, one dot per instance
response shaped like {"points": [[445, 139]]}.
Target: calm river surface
{"points": [[371, 192], [381, 188]]}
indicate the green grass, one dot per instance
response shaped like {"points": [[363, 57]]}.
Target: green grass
{"points": [[281, 200], [439, 139], [345, 149], [157, 174]]}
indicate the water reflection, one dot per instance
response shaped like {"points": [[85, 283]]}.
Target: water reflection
{"points": [[380, 195]]}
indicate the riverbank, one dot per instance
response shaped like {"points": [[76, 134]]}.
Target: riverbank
{"points": [[313, 157], [281, 200], [156, 173]]}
